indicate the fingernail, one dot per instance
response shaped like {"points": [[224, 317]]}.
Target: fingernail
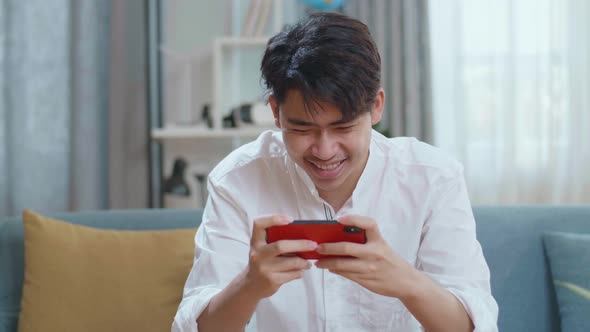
{"points": [[313, 245]]}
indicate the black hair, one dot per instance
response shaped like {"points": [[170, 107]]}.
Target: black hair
{"points": [[328, 57]]}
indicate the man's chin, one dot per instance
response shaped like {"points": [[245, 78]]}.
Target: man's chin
{"points": [[326, 186]]}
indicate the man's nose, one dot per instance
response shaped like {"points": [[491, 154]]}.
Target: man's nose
{"points": [[324, 147]]}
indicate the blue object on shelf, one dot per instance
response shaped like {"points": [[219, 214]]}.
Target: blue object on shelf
{"points": [[324, 4]]}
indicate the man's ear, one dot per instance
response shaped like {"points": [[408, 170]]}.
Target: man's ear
{"points": [[377, 111], [275, 110]]}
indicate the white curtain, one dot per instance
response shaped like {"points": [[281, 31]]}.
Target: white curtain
{"points": [[511, 97]]}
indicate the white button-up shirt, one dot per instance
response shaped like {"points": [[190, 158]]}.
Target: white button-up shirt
{"points": [[414, 192]]}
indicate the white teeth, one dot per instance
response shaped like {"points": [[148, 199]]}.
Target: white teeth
{"points": [[328, 167]]}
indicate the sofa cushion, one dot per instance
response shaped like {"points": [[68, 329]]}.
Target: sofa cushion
{"points": [[79, 278], [512, 241], [12, 245], [569, 261]]}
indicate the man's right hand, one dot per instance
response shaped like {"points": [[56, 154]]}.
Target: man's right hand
{"points": [[267, 269]]}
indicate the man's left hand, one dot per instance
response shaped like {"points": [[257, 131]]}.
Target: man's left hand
{"points": [[373, 265]]}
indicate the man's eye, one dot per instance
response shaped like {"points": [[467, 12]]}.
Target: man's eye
{"points": [[296, 130], [345, 128]]}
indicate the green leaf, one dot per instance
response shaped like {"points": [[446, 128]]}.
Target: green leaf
{"points": [[585, 293]]}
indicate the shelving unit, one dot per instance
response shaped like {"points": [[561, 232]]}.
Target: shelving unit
{"points": [[226, 48], [240, 41], [220, 46], [226, 74], [199, 132]]}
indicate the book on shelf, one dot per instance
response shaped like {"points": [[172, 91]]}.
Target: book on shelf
{"points": [[263, 18], [250, 19], [257, 17]]}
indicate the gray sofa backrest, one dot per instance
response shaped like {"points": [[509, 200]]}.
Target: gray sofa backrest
{"points": [[511, 238]]}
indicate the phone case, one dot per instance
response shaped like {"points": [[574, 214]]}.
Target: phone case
{"points": [[320, 231]]}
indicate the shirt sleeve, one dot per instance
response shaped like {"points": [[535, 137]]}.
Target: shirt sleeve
{"points": [[222, 245], [451, 255]]}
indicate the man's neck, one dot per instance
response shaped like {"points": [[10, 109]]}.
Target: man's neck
{"points": [[336, 200]]}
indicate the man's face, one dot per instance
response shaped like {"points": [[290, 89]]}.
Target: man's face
{"points": [[332, 152]]}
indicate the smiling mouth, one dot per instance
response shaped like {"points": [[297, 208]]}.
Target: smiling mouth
{"points": [[328, 167]]}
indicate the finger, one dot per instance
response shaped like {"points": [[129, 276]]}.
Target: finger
{"points": [[366, 223], [287, 246], [262, 223], [286, 264], [285, 277], [343, 249], [342, 265]]}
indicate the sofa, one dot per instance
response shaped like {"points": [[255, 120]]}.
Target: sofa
{"points": [[511, 238]]}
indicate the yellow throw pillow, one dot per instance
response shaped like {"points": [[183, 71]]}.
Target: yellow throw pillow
{"points": [[79, 278]]}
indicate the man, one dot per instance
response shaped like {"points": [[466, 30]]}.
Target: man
{"points": [[421, 266]]}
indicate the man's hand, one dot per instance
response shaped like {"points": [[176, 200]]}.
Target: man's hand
{"points": [[267, 268], [373, 265]]}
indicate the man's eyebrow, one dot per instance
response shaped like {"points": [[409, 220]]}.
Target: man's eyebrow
{"points": [[298, 122]]}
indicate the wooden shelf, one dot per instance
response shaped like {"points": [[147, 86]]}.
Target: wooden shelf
{"points": [[189, 132], [241, 41]]}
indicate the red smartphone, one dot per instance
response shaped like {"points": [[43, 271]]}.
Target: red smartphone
{"points": [[320, 231]]}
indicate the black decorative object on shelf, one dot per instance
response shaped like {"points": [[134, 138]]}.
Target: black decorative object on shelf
{"points": [[238, 116], [244, 114], [206, 116], [203, 187], [229, 121], [176, 183]]}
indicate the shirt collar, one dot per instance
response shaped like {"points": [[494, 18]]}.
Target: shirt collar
{"points": [[368, 175]]}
